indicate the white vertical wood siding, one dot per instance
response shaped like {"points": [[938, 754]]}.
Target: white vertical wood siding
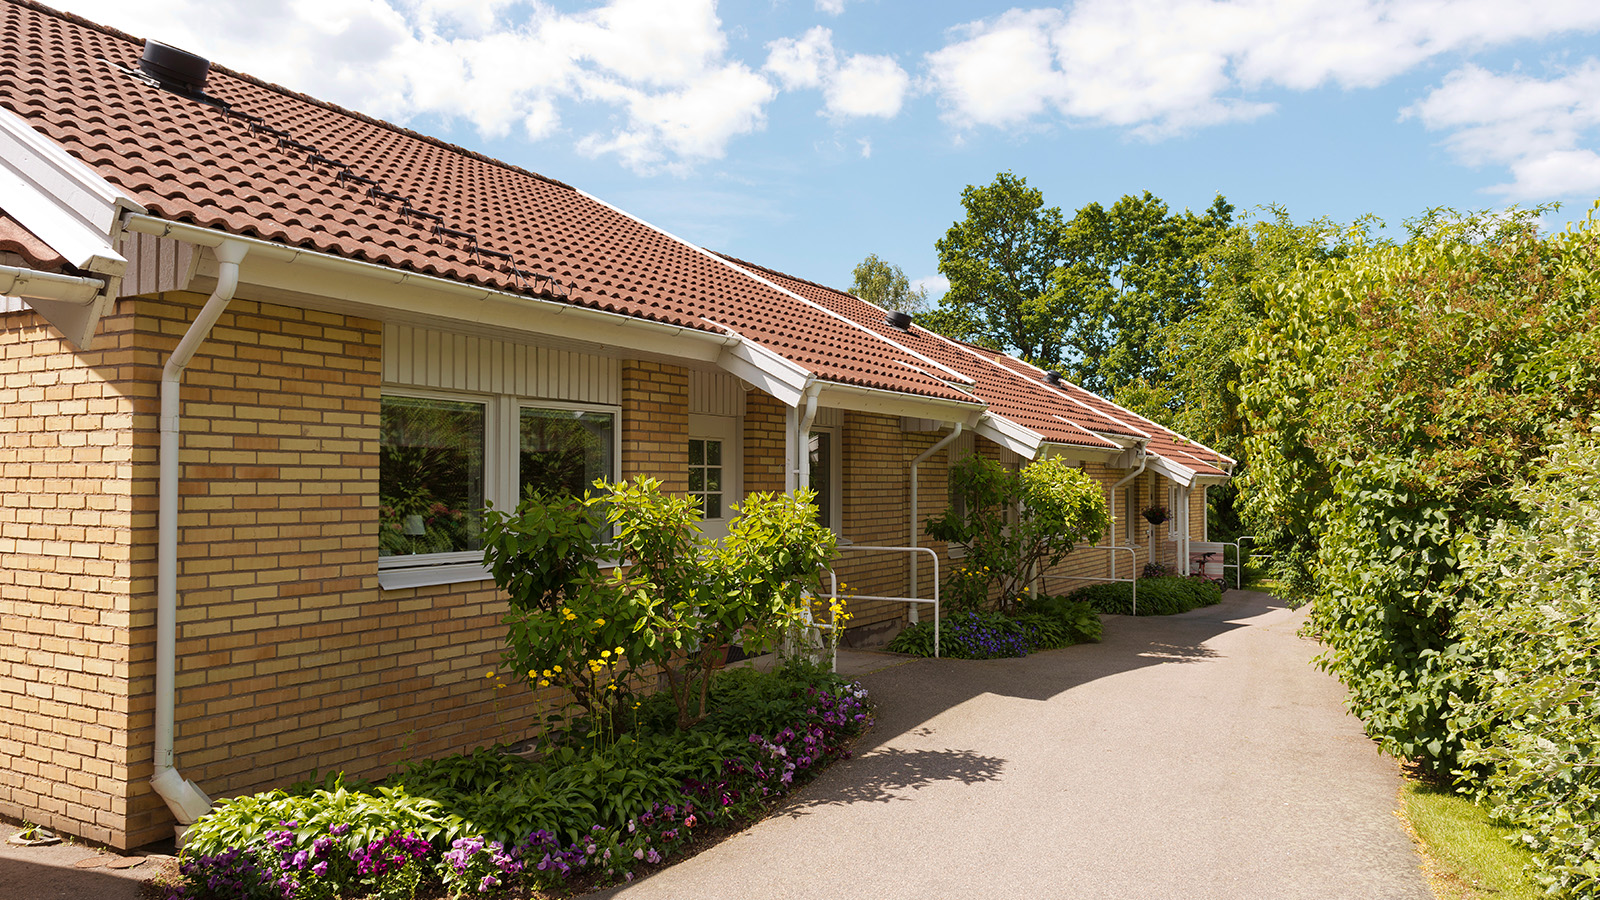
{"points": [[715, 394], [425, 357]]}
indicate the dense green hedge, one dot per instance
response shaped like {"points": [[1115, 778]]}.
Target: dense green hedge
{"points": [[1393, 397], [1163, 596], [1397, 400], [1534, 636]]}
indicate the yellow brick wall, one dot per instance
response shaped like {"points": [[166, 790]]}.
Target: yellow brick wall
{"points": [[764, 443], [66, 509], [875, 459], [655, 423]]}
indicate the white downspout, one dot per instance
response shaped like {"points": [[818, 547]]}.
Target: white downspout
{"points": [[916, 584], [1143, 456], [802, 435], [186, 801]]}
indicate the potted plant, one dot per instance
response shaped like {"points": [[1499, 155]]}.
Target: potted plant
{"points": [[1155, 515]]}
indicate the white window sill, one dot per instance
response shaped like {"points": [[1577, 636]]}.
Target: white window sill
{"points": [[428, 576]]}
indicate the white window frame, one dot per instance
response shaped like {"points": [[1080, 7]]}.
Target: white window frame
{"points": [[501, 480], [729, 430]]}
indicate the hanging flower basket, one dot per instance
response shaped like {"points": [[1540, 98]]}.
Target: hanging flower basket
{"points": [[1155, 515]]}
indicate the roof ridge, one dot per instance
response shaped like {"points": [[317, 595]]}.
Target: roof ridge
{"points": [[911, 351], [771, 271], [304, 98]]}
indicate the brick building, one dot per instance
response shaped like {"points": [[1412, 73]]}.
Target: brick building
{"points": [[262, 358]]}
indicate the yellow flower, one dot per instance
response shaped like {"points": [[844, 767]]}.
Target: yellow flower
{"points": [[558, 670], [534, 674], [544, 682], [599, 621], [489, 674], [605, 654], [546, 673], [619, 649]]}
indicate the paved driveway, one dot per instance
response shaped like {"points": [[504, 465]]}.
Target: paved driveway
{"points": [[1191, 756]]}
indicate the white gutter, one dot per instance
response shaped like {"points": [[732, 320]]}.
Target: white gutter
{"points": [[955, 432], [186, 801], [1143, 456], [31, 284]]}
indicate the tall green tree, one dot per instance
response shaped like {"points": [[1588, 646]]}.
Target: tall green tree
{"points": [[1127, 273], [885, 285], [1000, 259]]}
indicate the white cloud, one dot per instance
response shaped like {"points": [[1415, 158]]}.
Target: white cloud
{"points": [[935, 285], [1534, 127], [1164, 66], [498, 64], [866, 147], [831, 7], [802, 62], [867, 86], [860, 85]]}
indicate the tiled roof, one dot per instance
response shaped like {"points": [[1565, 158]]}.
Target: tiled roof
{"points": [[1007, 393], [1164, 442], [286, 168], [1015, 389], [14, 238]]}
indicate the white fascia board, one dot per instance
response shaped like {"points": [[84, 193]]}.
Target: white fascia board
{"points": [[1075, 453], [894, 403], [1025, 442], [60, 199], [774, 375], [387, 294], [1176, 472]]}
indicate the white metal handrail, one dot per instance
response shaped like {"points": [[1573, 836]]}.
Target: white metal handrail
{"points": [[1133, 554], [833, 596]]}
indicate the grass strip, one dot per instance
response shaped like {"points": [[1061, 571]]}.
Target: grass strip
{"points": [[1469, 857]]}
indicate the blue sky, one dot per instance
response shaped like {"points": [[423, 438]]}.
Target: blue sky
{"points": [[805, 134]]}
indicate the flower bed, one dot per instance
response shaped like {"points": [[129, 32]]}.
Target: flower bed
{"points": [[1041, 623], [489, 824]]}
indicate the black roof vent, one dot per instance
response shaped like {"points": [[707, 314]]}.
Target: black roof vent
{"points": [[1053, 378], [176, 69], [898, 319]]}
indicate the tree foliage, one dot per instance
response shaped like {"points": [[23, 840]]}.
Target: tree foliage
{"points": [[999, 260], [1127, 273], [885, 285], [1392, 397]]}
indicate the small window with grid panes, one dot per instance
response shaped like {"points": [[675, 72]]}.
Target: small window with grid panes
{"points": [[705, 476]]}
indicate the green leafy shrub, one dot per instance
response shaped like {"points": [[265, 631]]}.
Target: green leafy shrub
{"points": [[1164, 596], [1061, 508], [670, 605], [1392, 398], [1534, 638]]}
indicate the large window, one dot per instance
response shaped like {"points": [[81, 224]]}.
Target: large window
{"points": [[443, 458], [565, 450], [430, 475]]}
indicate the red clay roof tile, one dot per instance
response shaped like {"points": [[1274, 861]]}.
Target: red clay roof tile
{"points": [[191, 161]]}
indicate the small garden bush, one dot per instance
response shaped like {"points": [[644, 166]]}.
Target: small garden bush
{"points": [[1164, 596], [489, 824], [1040, 625]]}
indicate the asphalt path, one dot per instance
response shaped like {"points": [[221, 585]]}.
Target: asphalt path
{"points": [[1191, 756]]}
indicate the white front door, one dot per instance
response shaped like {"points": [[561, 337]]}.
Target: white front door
{"points": [[715, 476]]}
